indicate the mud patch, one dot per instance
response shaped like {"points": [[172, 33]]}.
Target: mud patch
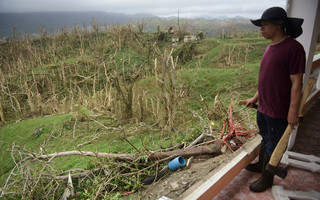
{"points": [[175, 183]]}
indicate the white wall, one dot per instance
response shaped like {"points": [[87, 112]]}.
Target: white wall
{"points": [[309, 10]]}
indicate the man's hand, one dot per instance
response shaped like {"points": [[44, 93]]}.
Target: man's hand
{"points": [[293, 119], [251, 101]]}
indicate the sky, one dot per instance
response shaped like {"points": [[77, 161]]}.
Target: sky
{"points": [[162, 8]]}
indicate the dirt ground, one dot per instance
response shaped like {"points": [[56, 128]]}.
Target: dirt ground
{"points": [[175, 183]]}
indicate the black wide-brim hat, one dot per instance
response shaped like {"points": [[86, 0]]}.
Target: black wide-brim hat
{"points": [[277, 15]]}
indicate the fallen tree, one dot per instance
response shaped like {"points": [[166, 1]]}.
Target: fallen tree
{"points": [[118, 167], [34, 174], [212, 150], [118, 156]]}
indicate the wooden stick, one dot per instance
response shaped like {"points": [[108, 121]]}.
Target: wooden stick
{"points": [[282, 144], [306, 92], [196, 141]]}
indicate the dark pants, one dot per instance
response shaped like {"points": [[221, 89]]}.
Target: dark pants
{"points": [[271, 130]]}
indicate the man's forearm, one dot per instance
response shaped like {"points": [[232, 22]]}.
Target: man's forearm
{"points": [[256, 96], [295, 98]]}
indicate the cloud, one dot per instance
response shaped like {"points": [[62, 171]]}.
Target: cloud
{"points": [[187, 8]]}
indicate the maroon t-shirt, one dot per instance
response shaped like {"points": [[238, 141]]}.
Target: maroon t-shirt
{"points": [[274, 86]]}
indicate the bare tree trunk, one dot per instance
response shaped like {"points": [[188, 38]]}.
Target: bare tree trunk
{"points": [[212, 150], [29, 94], [168, 94], [128, 157], [1, 112], [38, 95], [126, 99]]}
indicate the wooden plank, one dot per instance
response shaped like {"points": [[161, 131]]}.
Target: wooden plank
{"points": [[222, 176]]}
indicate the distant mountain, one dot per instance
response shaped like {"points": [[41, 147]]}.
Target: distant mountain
{"points": [[29, 23]]}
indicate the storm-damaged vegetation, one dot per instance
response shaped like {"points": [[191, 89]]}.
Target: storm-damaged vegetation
{"points": [[106, 109]]}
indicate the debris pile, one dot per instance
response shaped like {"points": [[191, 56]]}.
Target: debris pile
{"points": [[234, 133]]}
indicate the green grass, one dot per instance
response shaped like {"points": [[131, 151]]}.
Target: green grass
{"points": [[206, 75], [61, 128], [21, 133]]}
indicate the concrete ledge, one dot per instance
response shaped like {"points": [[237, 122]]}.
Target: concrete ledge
{"points": [[211, 185]]}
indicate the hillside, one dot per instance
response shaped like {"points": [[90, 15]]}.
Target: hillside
{"points": [[52, 22], [212, 27], [118, 93], [30, 23]]}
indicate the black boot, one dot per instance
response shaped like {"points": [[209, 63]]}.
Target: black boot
{"points": [[257, 167], [265, 181]]}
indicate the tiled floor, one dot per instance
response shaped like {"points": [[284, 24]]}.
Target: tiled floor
{"points": [[308, 136], [296, 180], [307, 142]]}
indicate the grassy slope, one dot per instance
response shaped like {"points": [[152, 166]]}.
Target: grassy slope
{"points": [[203, 75], [22, 134]]}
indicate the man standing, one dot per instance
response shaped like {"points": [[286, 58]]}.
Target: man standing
{"points": [[279, 86]]}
